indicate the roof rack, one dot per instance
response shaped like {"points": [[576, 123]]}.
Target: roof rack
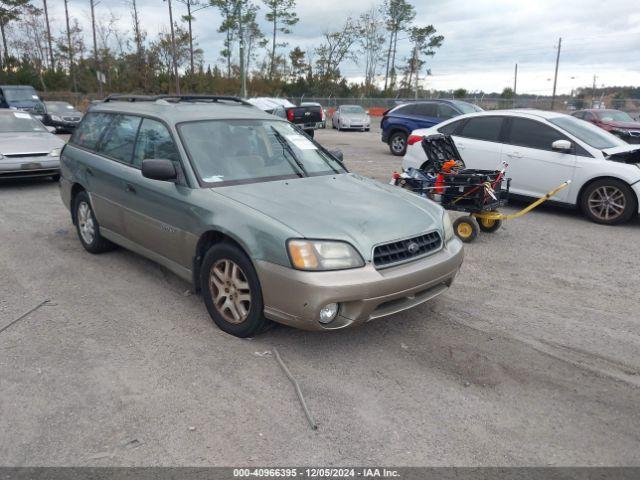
{"points": [[175, 98]]}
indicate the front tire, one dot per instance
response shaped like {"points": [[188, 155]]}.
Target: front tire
{"points": [[465, 228], [231, 291], [398, 144], [608, 201], [87, 226]]}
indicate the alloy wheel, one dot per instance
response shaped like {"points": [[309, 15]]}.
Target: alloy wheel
{"points": [[607, 202], [397, 143], [86, 224], [230, 291]]}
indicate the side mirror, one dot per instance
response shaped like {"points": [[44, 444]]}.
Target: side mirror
{"points": [[163, 170], [51, 129], [561, 146], [337, 154]]}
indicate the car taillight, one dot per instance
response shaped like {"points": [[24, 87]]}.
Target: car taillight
{"points": [[414, 139], [290, 115], [322, 114]]}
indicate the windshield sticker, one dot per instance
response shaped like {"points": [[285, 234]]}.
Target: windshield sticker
{"points": [[21, 115], [301, 142], [213, 179]]}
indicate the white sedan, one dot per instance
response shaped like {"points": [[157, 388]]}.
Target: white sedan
{"points": [[543, 149]]}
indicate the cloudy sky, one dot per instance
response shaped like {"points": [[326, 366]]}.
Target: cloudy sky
{"points": [[484, 39]]}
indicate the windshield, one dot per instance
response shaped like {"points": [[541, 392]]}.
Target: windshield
{"points": [[465, 107], [19, 122], [614, 116], [59, 107], [20, 94], [245, 151], [588, 133], [352, 109]]}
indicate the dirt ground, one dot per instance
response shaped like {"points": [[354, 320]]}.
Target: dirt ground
{"points": [[531, 358]]}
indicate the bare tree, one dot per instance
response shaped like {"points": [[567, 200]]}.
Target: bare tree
{"points": [[336, 48], [425, 42], [398, 16], [52, 64], [72, 69], [371, 40], [173, 49], [281, 15], [193, 6], [96, 62]]}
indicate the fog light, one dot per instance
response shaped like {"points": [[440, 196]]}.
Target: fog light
{"points": [[328, 313]]}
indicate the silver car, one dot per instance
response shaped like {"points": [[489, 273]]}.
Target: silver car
{"points": [[351, 117], [27, 147]]}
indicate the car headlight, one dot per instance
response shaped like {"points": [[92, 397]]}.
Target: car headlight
{"points": [[323, 255], [447, 226], [56, 118], [55, 152], [620, 131]]}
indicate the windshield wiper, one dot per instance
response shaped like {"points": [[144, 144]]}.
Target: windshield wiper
{"points": [[285, 145]]}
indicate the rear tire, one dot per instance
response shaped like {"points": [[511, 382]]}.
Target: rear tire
{"points": [[87, 226], [398, 144], [231, 291], [609, 202], [489, 225]]}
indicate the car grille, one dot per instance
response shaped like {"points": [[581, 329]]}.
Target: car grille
{"points": [[634, 133], [406, 250], [71, 119]]}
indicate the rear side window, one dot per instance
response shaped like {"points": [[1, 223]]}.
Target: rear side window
{"points": [[482, 128], [404, 110], [120, 138], [532, 134], [426, 110], [450, 127], [88, 133], [154, 142], [446, 111]]}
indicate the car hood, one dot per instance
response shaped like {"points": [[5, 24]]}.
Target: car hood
{"points": [[345, 207], [28, 142], [628, 125]]}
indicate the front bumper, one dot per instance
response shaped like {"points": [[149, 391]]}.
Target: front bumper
{"points": [[295, 297], [636, 189], [29, 167]]}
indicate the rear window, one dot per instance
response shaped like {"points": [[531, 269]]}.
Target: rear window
{"points": [[482, 128], [426, 110], [88, 133], [404, 110]]}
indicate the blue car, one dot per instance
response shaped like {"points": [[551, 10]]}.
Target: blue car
{"points": [[398, 123]]}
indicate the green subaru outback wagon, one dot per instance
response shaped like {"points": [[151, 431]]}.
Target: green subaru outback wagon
{"points": [[266, 223]]}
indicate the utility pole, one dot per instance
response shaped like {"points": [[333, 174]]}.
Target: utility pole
{"points": [[72, 69], [555, 78], [515, 85], [95, 46], [593, 95], [46, 19], [173, 50]]}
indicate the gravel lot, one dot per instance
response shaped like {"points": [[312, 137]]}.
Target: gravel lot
{"points": [[532, 358]]}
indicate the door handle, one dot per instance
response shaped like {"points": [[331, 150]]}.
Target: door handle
{"points": [[130, 188], [514, 155], [89, 171]]}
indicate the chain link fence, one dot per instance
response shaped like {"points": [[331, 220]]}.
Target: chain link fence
{"points": [[379, 105]]}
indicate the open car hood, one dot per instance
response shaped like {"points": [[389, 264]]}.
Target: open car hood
{"points": [[623, 154]]}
